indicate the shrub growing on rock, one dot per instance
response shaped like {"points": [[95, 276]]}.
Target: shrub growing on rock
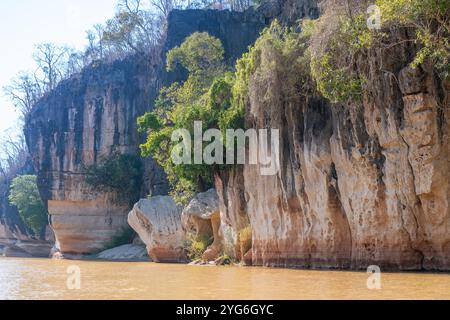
{"points": [[196, 246], [181, 104], [341, 38], [120, 174]]}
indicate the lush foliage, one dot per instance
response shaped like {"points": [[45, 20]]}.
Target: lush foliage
{"points": [[333, 58], [215, 96], [431, 20], [279, 53], [24, 194], [121, 174], [340, 38], [198, 53], [181, 104]]}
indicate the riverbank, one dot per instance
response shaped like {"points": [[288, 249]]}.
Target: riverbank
{"points": [[46, 279]]}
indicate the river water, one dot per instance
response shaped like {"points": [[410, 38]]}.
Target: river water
{"points": [[49, 279]]}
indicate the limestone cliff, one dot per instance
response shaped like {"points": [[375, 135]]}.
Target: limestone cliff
{"points": [[84, 121], [360, 184], [93, 115]]}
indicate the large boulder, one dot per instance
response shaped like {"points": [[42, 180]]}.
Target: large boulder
{"points": [[196, 217], [157, 221], [202, 218]]}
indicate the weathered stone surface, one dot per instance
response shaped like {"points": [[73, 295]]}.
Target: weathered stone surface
{"points": [[12, 251], [157, 221], [93, 115], [26, 248], [360, 184], [233, 210], [248, 258], [196, 216], [85, 226], [127, 252], [203, 206], [211, 254], [201, 217], [85, 120], [15, 239]]}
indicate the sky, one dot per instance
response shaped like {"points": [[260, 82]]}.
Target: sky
{"points": [[25, 23]]}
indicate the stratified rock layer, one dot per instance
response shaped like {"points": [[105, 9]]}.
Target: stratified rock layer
{"points": [[84, 121], [157, 221]]}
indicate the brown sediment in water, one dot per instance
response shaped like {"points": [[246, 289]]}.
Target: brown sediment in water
{"points": [[47, 279]]}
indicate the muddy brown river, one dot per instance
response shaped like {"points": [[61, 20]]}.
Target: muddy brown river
{"points": [[51, 279]]}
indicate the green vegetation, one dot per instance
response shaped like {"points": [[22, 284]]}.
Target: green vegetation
{"points": [[179, 105], [279, 60], [283, 67], [121, 174], [196, 246], [213, 95], [334, 56], [24, 194], [341, 38], [200, 53], [430, 20]]}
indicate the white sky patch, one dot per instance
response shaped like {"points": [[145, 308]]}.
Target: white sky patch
{"points": [[25, 23]]}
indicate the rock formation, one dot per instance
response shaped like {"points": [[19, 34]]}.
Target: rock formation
{"points": [[92, 115], [202, 219], [157, 221], [360, 184]]}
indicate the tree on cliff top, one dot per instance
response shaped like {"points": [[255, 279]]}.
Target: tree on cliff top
{"points": [[52, 64], [25, 196]]}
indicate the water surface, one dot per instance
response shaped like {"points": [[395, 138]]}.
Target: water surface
{"points": [[47, 279]]}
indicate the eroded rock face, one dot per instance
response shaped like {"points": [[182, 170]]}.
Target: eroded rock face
{"points": [[361, 184], [233, 210], [86, 226], [93, 115], [157, 221], [84, 121]]}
